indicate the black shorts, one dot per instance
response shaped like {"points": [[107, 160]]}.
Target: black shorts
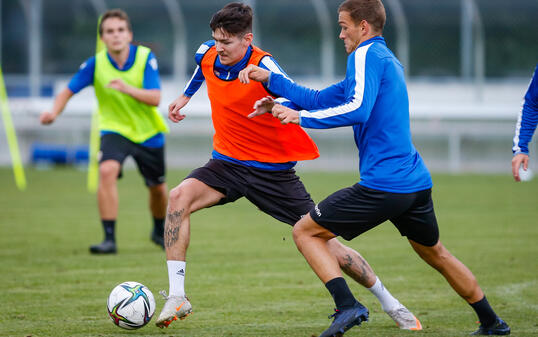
{"points": [[354, 210], [150, 161], [281, 194]]}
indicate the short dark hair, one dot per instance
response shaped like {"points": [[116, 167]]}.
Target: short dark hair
{"points": [[235, 18], [114, 13], [372, 11]]}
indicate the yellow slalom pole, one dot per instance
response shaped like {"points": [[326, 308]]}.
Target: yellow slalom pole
{"points": [[18, 169], [93, 166]]}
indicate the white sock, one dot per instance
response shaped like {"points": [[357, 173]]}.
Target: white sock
{"points": [[388, 302], [176, 277]]}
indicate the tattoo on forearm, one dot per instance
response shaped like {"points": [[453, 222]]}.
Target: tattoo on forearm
{"points": [[171, 231]]}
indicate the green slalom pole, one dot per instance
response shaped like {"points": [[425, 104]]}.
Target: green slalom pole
{"points": [[18, 169], [93, 166]]}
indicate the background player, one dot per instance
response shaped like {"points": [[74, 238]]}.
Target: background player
{"points": [[127, 86], [526, 124], [394, 182], [251, 158]]}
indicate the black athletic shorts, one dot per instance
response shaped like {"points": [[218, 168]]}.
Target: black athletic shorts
{"points": [[281, 194], [354, 210], [150, 161]]}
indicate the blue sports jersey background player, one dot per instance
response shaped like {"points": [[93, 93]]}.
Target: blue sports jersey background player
{"points": [[526, 124]]}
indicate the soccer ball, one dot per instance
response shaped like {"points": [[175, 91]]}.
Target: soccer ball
{"points": [[130, 305]]}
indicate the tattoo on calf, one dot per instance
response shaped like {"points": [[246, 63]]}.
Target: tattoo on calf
{"points": [[358, 270], [171, 231]]}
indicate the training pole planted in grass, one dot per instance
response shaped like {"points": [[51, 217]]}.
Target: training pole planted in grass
{"points": [[93, 167], [16, 163]]}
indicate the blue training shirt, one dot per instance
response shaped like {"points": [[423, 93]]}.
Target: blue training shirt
{"points": [[229, 73], [373, 100], [85, 74], [528, 117]]}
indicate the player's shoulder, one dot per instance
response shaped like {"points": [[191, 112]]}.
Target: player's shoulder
{"points": [[202, 50], [88, 64], [204, 47]]}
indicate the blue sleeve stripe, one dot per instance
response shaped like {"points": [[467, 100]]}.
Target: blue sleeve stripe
{"points": [[356, 101]]}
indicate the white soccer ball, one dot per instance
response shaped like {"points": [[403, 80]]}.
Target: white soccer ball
{"points": [[525, 175], [130, 305]]}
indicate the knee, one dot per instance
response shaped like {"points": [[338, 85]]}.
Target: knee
{"points": [[299, 232], [296, 232], [176, 194], [108, 172], [158, 191]]}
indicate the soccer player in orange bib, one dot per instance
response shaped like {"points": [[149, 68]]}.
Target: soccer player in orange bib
{"points": [[252, 158]]}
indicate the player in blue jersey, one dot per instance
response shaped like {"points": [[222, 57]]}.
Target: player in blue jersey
{"points": [[127, 86], [526, 124], [394, 183]]}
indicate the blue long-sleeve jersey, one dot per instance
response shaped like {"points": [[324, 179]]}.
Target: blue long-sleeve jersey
{"points": [[373, 100], [528, 117]]}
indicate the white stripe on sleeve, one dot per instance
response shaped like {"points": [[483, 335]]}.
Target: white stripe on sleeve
{"points": [[192, 77], [356, 101], [516, 147], [270, 64]]}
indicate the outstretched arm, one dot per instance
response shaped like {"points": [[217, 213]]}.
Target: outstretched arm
{"points": [[48, 117], [280, 85]]}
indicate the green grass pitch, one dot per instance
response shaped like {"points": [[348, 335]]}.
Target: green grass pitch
{"points": [[244, 274]]}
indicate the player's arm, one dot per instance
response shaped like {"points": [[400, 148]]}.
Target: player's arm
{"points": [[48, 117], [526, 125], [355, 108], [150, 93], [79, 81], [196, 81], [282, 85], [146, 96]]}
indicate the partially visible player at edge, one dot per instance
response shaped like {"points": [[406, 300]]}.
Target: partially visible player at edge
{"points": [[251, 158], [525, 127], [126, 82], [394, 182]]}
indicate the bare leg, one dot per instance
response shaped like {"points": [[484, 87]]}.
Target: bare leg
{"points": [[311, 240], [352, 263], [158, 198], [107, 191], [460, 278], [188, 197]]}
